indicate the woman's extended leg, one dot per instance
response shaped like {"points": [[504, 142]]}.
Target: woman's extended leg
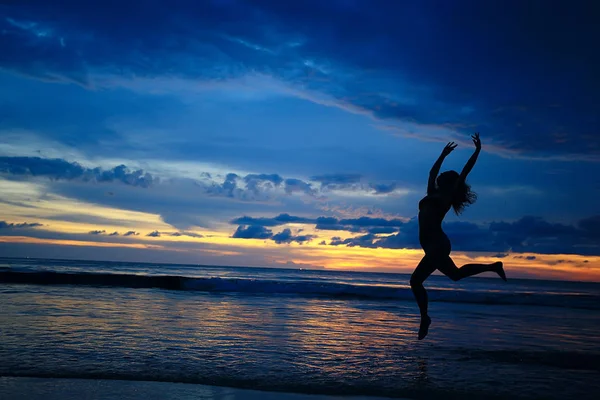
{"points": [[420, 274], [448, 268]]}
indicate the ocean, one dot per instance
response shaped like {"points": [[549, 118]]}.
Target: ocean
{"points": [[296, 331]]}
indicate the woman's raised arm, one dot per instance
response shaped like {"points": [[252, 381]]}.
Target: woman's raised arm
{"points": [[435, 170], [469, 165]]}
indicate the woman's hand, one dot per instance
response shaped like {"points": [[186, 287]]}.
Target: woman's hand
{"points": [[476, 140], [448, 149]]}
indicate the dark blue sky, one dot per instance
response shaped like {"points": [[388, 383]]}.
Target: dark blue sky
{"points": [[199, 113]]}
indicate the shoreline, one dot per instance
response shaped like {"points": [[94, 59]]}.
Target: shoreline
{"points": [[13, 388]]}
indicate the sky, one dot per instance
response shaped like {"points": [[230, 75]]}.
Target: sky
{"points": [[299, 134]]}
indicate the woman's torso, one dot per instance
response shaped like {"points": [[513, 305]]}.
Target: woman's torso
{"points": [[432, 210]]}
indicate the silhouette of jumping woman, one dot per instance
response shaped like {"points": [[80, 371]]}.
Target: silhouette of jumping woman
{"points": [[449, 190]]}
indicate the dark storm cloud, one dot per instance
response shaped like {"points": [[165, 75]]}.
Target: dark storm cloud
{"points": [[532, 83], [60, 169]]}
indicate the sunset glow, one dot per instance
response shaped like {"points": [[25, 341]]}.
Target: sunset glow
{"points": [[236, 135]]}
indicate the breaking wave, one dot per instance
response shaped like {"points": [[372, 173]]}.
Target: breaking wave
{"points": [[298, 288]]}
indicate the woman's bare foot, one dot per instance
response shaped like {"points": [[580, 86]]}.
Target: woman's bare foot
{"points": [[424, 328], [499, 269]]}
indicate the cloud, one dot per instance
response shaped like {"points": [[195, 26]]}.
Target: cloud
{"points": [[286, 236], [252, 232], [59, 169], [227, 188], [266, 186], [369, 221], [22, 225], [293, 185], [179, 202], [531, 258], [190, 234], [383, 188], [281, 219], [261, 232], [382, 230], [154, 233], [590, 227], [361, 241], [250, 187], [529, 234], [370, 71], [258, 182], [337, 181], [348, 182], [361, 224]]}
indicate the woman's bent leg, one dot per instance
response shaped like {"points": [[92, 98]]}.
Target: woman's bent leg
{"points": [[421, 273]]}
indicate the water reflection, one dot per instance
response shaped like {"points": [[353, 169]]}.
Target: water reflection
{"points": [[269, 340], [422, 377]]}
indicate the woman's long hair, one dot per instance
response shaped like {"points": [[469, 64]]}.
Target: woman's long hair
{"points": [[463, 195]]}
